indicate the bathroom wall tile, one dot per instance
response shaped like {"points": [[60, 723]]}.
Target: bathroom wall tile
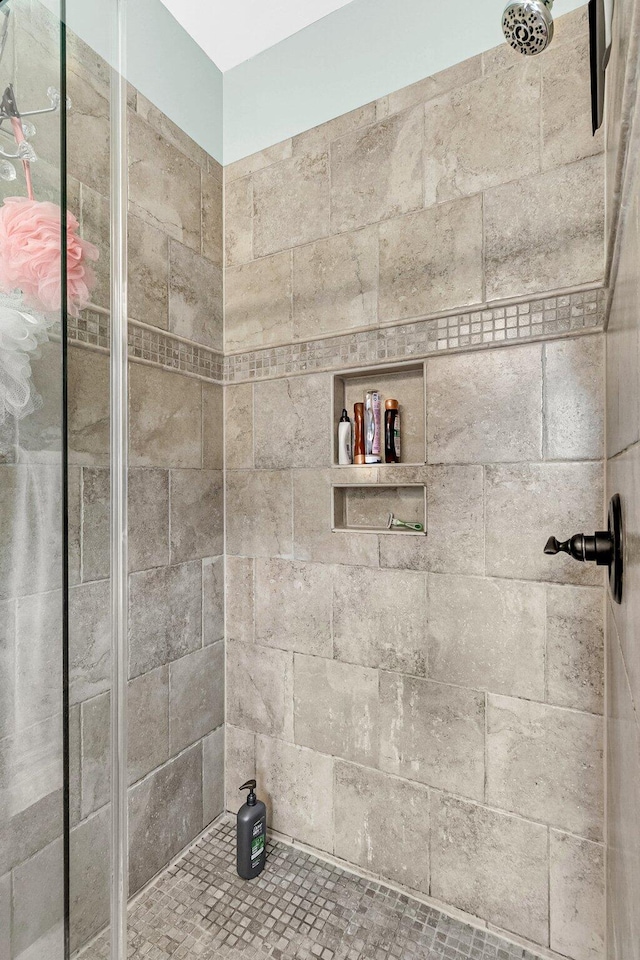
{"points": [[37, 897], [257, 161], [318, 139], [165, 813], [148, 518], [89, 872], [455, 524], [546, 763], [258, 512], [313, 537], [213, 577], [383, 825], [376, 171], [165, 615], [164, 411], [575, 647], [432, 733], [148, 272], [148, 702], [197, 520], [491, 865], [38, 823], [238, 205], [40, 433], [431, 261], [36, 658], [294, 606], [260, 689], [88, 407], [170, 131], [5, 917], [75, 764], [335, 284], [240, 592], [7, 667], [576, 899], [74, 534], [213, 776], [574, 399], [238, 425], [291, 203], [567, 133], [87, 134], [89, 640], [485, 407], [258, 303], [298, 788], [164, 184], [95, 764], [436, 85], [540, 500], [96, 513], [94, 214], [488, 634], [336, 709], [196, 695], [212, 218], [212, 426], [480, 133], [301, 430], [240, 764], [195, 296], [379, 618], [556, 239]]}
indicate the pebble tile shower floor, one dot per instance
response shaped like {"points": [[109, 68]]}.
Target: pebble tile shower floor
{"points": [[300, 907]]}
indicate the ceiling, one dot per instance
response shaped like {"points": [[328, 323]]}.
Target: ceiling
{"points": [[230, 33]]}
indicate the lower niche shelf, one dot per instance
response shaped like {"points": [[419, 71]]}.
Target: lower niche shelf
{"points": [[365, 508]]}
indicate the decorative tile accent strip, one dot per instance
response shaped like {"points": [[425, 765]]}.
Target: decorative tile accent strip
{"points": [[300, 907], [495, 326]]}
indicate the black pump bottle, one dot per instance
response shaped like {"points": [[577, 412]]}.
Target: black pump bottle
{"points": [[251, 834]]}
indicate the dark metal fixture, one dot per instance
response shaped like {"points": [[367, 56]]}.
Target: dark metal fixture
{"points": [[604, 547]]}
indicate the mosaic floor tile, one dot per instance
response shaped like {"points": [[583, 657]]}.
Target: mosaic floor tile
{"points": [[300, 908]]}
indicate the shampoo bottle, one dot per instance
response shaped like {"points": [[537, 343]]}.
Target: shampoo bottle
{"points": [[344, 439], [391, 432], [251, 834], [358, 440]]}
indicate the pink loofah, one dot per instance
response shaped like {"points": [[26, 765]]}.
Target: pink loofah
{"points": [[30, 255]]}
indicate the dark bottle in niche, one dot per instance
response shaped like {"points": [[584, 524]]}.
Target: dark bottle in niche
{"points": [[391, 432], [251, 836]]}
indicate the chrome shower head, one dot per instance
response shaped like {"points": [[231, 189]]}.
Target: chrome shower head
{"points": [[528, 26]]}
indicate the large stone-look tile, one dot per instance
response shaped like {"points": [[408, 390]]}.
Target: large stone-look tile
{"points": [[95, 523], [455, 524], [576, 896], [37, 897], [485, 407], [291, 203], [164, 184], [574, 401], [260, 689], [380, 618], [213, 218], [298, 788], [7, 667], [148, 273], [88, 407], [213, 802], [165, 417], [488, 634], [436, 85], [165, 813], [257, 161], [313, 538], [335, 284], [165, 615], [294, 606], [89, 872], [240, 595], [95, 767], [196, 695], [318, 139], [89, 640], [545, 232], [258, 513], [526, 504], [40, 822], [432, 733], [88, 133], [238, 218], [383, 825], [5, 917], [213, 605], [478, 134], [74, 522], [238, 426], [170, 131], [575, 647], [336, 709], [197, 514], [257, 308], [148, 727], [37, 680], [491, 865], [292, 422], [376, 171], [195, 296], [431, 261], [240, 764], [212, 426], [545, 762], [148, 518]]}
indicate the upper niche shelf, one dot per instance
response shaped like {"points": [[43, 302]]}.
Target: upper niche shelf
{"points": [[404, 383]]}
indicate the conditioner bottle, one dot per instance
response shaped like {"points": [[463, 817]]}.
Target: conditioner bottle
{"points": [[251, 834], [391, 432]]}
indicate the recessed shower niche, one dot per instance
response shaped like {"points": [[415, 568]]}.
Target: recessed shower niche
{"points": [[369, 508]]}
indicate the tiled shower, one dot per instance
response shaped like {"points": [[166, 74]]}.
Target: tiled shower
{"points": [[425, 715]]}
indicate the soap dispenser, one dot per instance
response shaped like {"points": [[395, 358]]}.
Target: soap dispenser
{"points": [[251, 834]]}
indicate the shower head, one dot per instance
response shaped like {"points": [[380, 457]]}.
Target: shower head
{"points": [[528, 26]]}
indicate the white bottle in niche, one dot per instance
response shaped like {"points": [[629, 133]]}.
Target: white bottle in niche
{"points": [[344, 440]]}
